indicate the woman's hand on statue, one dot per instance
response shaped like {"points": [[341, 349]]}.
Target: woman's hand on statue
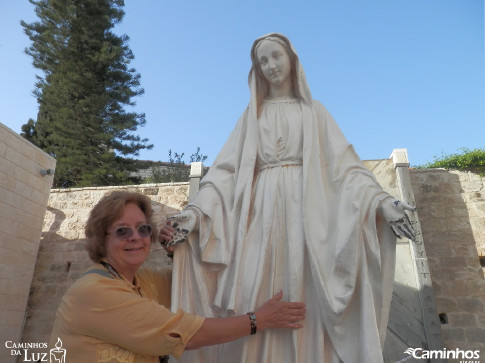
{"points": [[394, 212], [166, 235], [276, 313], [181, 225]]}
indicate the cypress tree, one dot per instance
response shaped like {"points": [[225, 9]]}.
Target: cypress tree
{"points": [[86, 82]]}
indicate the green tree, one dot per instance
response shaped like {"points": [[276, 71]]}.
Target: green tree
{"points": [[470, 160], [176, 171], [86, 84]]}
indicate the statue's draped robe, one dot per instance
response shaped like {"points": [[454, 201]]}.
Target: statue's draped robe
{"points": [[289, 205]]}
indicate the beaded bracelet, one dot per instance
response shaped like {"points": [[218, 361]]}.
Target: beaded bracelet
{"points": [[252, 320]]}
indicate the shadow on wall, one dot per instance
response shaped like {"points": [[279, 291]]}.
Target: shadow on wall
{"points": [[62, 259], [405, 328], [451, 210]]}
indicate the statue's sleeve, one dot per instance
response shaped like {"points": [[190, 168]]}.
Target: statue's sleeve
{"points": [[215, 200]]}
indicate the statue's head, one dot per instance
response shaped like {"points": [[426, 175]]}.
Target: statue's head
{"points": [[284, 43], [262, 84]]}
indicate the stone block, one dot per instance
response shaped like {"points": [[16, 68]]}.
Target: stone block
{"points": [[3, 149], [20, 173], [13, 302], [8, 229], [439, 211], [38, 197], [446, 305], [473, 261], [13, 272], [14, 156], [11, 333], [452, 200], [462, 320], [476, 288], [10, 257], [475, 335], [24, 247], [459, 211], [17, 286], [149, 191], [457, 224], [28, 236], [472, 213], [480, 207], [9, 198], [429, 188], [445, 274], [473, 186], [465, 249], [458, 288], [29, 152], [481, 319], [474, 176], [435, 247], [471, 304], [453, 187], [7, 181], [11, 317], [439, 176], [478, 224], [453, 335], [453, 262], [468, 273], [32, 168], [475, 197], [437, 287]]}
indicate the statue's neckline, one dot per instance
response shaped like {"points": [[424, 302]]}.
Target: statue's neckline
{"points": [[281, 100]]}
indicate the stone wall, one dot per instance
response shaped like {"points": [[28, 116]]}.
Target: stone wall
{"points": [[23, 198], [62, 257], [451, 208]]}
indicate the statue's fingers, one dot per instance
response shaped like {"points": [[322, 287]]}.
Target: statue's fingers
{"points": [[409, 207], [410, 224], [407, 218], [404, 229], [393, 229], [409, 232]]}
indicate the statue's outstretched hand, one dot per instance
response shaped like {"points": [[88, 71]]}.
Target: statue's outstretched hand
{"points": [[182, 224], [394, 212]]}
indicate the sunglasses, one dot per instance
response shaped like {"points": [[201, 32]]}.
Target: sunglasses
{"points": [[144, 230]]}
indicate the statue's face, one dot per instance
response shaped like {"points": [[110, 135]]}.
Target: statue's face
{"points": [[275, 63]]}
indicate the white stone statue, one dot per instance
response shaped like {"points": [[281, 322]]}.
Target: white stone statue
{"points": [[289, 205]]}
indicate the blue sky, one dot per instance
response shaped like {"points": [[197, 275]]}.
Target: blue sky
{"points": [[393, 73]]}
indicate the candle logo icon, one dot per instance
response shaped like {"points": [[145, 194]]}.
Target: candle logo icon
{"points": [[58, 354]]}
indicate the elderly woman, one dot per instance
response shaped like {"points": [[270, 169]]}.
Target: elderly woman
{"points": [[118, 312], [289, 205]]}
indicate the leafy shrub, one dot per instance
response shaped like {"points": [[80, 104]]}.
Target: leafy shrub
{"points": [[467, 160]]}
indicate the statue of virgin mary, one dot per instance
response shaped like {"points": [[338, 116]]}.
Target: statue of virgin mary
{"points": [[288, 205]]}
